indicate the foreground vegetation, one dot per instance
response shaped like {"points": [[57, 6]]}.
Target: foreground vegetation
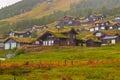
{"points": [[69, 53], [63, 63]]}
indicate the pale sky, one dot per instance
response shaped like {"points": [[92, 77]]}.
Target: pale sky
{"points": [[4, 3]]}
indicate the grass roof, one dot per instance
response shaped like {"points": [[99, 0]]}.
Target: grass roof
{"points": [[22, 40], [19, 32], [86, 36], [60, 35], [100, 21], [111, 32]]}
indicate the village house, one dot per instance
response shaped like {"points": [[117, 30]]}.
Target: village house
{"points": [[99, 34], [89, 39], [61, 38], [92, 43], [108, 37], [68, 21], [112, 39], [95, 17], [117, 19], [104, 25], [20, 34], [38, 28], [13, 42]]}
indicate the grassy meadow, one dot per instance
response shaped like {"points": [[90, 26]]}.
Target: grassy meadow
{"points": [[64, 63]]}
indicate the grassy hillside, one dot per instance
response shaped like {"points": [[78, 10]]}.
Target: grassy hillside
{"points": [[44, 9], [18, 8]]}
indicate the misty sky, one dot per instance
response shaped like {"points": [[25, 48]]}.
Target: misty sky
{"points": [[4, 3]]}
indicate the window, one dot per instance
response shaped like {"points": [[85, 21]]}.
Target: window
{"points": [[97, 24], [21, 36], [37, 42], [13, 45], [70, 22], [107, 23], [7, 46], [102, 24], [68, 43], [102, 27], [113, 41], [119, 28], [44, 43], [111, 27], [48, 43], [98, 34], [96, 28], [92, 29]]}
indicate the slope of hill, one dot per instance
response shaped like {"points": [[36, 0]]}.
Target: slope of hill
{"points": [[18, 8], [44, 13], [44, 9]]}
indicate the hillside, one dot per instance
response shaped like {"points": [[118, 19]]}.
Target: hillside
{"points": [[18, 8], [44, 9], [44, 13]]}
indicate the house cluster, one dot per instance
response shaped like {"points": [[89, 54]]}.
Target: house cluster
{"points": [[90, 23], [65, 37], [107, 37], [104, 25], [71, 21], [68, 21], [48, 38], [96, 32]]}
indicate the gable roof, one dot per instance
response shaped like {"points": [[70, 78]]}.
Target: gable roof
{"points": [[109, 37], [57, 34], [20, 32], [21, 40], [86, 36]]}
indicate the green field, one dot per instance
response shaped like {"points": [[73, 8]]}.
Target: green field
{"points": [[110, 70], [70, 53]]}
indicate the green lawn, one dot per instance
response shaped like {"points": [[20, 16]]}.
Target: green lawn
{"points": [[109, 71], [70, 53]]}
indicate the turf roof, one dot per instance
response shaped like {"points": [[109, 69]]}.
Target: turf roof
{"points": [[22, 40]]}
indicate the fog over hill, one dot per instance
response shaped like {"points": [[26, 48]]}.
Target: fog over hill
{"points": [[4, 3]]}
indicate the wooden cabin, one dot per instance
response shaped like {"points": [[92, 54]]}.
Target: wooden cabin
{"points": [[18, 34], [68, 21], [117, 19], [38, 28], [99, 34], [61, 38], [110, 39], [92, 43], [12, 42], [104, 25], [95, 17]]}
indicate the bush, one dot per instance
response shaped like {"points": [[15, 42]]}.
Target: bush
{"points": [[20, 51]]}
